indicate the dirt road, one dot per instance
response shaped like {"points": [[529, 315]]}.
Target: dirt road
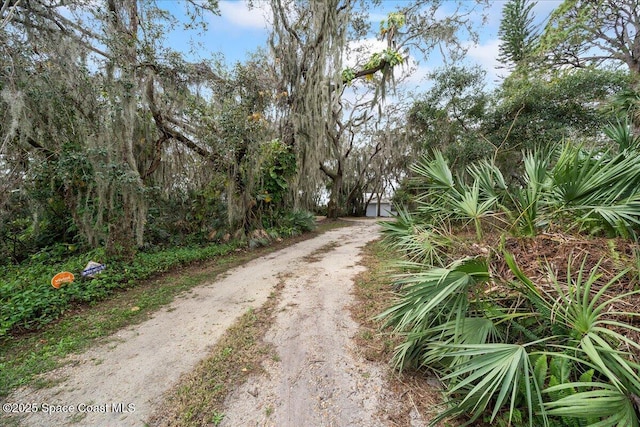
{"points": [[317, 380]]}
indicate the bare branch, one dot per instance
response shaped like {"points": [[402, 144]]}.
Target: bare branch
{"points": [[11, 6]]}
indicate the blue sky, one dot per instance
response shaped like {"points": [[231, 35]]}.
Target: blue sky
{"points": [[239, 31]]}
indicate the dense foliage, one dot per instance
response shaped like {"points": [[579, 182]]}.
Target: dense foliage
{"points": [[518, 229], [511, 348], [28, 301], [113, 139]]}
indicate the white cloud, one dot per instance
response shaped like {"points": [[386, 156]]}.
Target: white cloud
{"points": [[486, 56], [360, 51], [239, 14]]}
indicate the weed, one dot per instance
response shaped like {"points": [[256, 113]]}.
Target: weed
{"points": [[217, 418], [372, 292], [28, 302]]}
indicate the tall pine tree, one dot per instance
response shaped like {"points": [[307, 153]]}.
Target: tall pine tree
{"points": [[518, 35]]}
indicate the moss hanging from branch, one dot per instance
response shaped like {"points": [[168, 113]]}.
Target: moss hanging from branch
{"points": [[308, 42], [79, 130]]}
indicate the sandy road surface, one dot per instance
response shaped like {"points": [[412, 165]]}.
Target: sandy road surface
{"points": [[316, 381]]}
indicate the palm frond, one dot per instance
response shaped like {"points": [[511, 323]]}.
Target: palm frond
{"points": [[593, 178], [430, 298], [489, 178], [434, 173], [467, 205], [586, 313], [420, 242], [605, 402], [529, 200], [492, 374], [621, 216], [471, 330], [620, 133]]}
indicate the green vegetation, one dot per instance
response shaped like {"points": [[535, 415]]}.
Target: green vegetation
{"points": [[512, 347], [116, 149], [29, 301], [589, 190], [26, 355]]}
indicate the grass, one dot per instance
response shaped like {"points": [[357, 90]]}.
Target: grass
{"points": [[199, 397], [373, 293], [31, 354], [28, 302], [24, 357]]}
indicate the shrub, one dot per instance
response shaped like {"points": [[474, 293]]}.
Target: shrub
{"points": [[559, 356], [28, 301]]}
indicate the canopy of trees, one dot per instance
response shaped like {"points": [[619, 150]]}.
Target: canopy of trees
{"points": [[111, 138]]}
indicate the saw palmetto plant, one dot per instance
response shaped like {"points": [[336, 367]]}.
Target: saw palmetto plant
{"points": [[558, 350]]}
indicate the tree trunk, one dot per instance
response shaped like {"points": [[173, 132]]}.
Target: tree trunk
{"points": [[635, 109], [127, 207], [333, 209]]}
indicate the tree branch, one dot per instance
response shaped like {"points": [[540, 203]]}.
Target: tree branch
{"points": [[171, 133], [327, 172], [155, 162], [367, 71]]}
